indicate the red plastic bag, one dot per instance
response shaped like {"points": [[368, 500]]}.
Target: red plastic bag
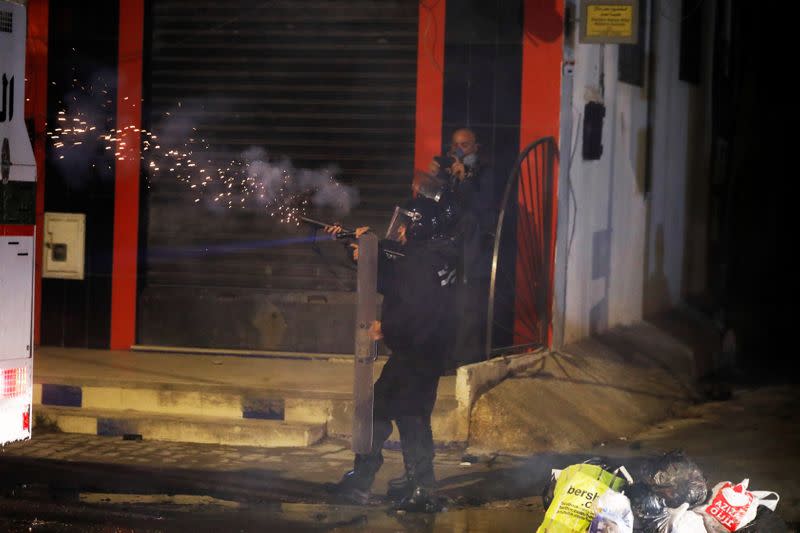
{"points": [[733, 506]]}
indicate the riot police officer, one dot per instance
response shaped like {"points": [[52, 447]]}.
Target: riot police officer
{"points": [[416, 271]]}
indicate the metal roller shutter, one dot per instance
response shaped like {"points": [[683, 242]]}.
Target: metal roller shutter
{"points": [[319, 82]]}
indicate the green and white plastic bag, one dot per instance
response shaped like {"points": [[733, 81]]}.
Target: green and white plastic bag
{"points": [[577, 488]]}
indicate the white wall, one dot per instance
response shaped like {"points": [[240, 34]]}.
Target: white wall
{"points": [[677, 237], [621, 251]]}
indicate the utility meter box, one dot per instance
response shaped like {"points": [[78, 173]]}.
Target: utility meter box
{"points": [[64, 242]]}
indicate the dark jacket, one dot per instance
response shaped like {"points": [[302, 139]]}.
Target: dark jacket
{"points": [[417, 310], [474, 198]]}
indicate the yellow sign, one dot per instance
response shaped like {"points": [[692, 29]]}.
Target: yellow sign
{"points": [[609, 21]]}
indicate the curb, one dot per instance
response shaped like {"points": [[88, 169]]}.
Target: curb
{"points": [[196, 429]]}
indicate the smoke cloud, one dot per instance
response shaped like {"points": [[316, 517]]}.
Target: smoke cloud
{"points": [[279, 179], [84, 141]]}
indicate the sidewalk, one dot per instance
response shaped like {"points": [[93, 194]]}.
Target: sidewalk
{"points": [[596, 389], [310, 376], [236, 400]]}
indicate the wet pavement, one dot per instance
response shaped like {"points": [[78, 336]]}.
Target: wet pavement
{"points": [[65, 483]]}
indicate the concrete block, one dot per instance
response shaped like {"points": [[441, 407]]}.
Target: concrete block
{"points": [[220, 404], [77, 424], [475, 379], [102, 397], [308, 410], [267, 433], [601, 389], [166, 401], [196, 429], [341, 419], [445, 423], [68, 421]]}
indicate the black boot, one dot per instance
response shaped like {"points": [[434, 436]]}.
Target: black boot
{"points": [[355, 485], [401, 487], [417, 441]]}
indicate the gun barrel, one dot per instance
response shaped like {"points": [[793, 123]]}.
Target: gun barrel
{"points": [[346, 233], [314, 222]]}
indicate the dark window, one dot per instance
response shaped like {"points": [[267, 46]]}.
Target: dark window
{"points": [[631, 60], [6, 21], [691, 40]]}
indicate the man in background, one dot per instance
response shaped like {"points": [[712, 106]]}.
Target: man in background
{"points": [[470, 185]]}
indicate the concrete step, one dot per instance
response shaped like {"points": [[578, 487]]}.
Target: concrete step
{"points": [[166, 399], [330, 410], [337, 414], [186, 428]]}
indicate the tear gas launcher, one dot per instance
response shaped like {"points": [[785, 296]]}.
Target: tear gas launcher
{"points": [[347, 235]]}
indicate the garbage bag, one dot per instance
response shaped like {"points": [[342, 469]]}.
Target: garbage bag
{"points": [[649, 509], [549, 489], [674, 477], [577, 488], [766, 521], [681, 520], [734, 506], [612, 514]]}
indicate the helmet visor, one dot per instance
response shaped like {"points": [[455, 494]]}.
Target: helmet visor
{"points": [[401, 220], [428, 186]]}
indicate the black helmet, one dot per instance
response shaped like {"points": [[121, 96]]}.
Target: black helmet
{"points": [[426, 222], [422, 219]]}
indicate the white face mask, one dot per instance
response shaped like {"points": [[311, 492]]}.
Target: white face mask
{"points": [[470, 159]]}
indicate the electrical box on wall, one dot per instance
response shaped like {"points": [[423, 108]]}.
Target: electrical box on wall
{"points": [[64, 242], [593, 114]]}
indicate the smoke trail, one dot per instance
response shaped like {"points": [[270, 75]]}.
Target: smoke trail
{"points": [[176, 153], [279, 180]]}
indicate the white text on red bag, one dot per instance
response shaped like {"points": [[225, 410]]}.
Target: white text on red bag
{"points": [[733, 506]]}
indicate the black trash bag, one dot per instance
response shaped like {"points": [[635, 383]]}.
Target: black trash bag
{"points": [[674, 477], [766, 521], [648, 507], [549, 491]]}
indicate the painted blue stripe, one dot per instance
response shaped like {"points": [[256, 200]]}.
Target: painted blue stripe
{"points": [[263, 408], [115, 427], [62, 395], [268, 414]]}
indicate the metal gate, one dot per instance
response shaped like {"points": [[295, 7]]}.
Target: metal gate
{"points": [[521, 283], [318, 82]]}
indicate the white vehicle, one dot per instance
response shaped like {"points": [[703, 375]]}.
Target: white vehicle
{"points": [[17, 232]]}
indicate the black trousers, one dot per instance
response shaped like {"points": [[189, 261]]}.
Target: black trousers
{"points": [[406, 387], [472, 300], [406, 393]]}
